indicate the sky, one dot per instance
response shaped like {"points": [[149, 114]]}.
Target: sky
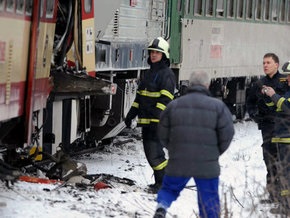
{"points": [[123, 168]]}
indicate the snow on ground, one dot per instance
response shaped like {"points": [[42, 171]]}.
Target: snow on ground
{"points": [[242, 184]]}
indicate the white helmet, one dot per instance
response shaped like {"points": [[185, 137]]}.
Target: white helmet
{"points": [[286, 68], [161, 45]]}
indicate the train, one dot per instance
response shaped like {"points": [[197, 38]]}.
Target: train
{"points": [[228, 39], [69, 70]]}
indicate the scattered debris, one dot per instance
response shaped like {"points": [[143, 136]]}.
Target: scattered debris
{"points": [[108, 178], [39, 180], [8, 173], [64, 167], [101, 185]]}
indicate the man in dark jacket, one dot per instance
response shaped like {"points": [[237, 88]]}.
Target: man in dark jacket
{"points": [[281, 138], [155, 91], [196, 129], [264, 116]]}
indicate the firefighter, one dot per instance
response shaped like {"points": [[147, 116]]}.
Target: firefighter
{"points": [[282, 141], [155, 91], [264, 116]]}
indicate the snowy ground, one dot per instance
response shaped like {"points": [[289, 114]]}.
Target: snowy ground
{"points": [[242, 183]]}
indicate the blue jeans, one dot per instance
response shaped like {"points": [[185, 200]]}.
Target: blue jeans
{"points": [[207, 193]]}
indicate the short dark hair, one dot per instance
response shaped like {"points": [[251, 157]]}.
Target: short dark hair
{"points": [[272, 55]]}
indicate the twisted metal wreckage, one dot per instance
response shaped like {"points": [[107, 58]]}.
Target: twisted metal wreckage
{"points": [[60, 169]]}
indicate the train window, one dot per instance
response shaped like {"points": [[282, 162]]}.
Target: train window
{"points": [[267, 10], [209, 7], [231, 8], [28, 7], [275, 7], [198, 7], [240, 9], [10, 6], [249, 9], [1, 5], [258, 10], [88, 6], [282, 10], [187, 5], [220, 8], [288, 19], [288, 11], [49, 9], [41, 8], [19, 6], [179, 5], [133, 3]]}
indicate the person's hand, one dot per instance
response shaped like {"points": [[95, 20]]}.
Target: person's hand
{"points": [[128, 122], [267, 90]]}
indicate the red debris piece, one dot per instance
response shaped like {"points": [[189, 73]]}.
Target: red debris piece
{"points": [[38, 180], [101, 185]]}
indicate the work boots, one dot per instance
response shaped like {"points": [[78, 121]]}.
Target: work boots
{"points": [[281, 209], [284, 205], [160, 213], [158, 176]]}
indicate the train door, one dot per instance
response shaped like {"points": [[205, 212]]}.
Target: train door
{"points": [[174, 19], [38, 84]]}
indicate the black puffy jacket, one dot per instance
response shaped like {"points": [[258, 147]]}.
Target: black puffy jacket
{"points": [[196, 129]]}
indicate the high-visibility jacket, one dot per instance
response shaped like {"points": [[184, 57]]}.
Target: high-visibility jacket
{"points": [[155, 91], [282, 119], [257, 102]]}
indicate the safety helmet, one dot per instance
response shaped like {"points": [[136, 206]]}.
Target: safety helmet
{"points": [[286, 68], [161, 45]]}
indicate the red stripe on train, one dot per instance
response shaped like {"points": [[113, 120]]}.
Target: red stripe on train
{"points": [[12, 103], [87, 10]]}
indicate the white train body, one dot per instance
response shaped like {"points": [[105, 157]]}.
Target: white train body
{"points": [[230, 49]]}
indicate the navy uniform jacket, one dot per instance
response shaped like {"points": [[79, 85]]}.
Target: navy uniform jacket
{"points": [[256, 101], [155, 91], [281, 104]]}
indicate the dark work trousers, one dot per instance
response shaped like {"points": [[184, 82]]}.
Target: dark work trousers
{"points": [[270, 159], [283, 169], [153, 148]]}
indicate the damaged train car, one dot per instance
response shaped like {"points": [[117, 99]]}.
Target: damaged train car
{"points": [[69, 72]]}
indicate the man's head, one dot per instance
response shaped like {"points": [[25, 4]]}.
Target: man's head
{"points": [[199, 78], [270, 64], [158, 48]]}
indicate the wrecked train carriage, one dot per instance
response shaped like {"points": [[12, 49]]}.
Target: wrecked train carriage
{"points": [[69, 72]]}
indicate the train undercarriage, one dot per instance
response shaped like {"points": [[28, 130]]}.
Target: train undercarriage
{"points": [[233, 92]]}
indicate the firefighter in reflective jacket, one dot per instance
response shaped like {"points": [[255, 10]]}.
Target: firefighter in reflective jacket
{"points": [[282, 140], [155, 91]]}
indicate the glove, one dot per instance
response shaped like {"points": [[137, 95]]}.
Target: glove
{"points": [[130, 116], [128, 122]]}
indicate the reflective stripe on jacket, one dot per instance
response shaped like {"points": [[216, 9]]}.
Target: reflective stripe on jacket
{"points": [[155, 91]]}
